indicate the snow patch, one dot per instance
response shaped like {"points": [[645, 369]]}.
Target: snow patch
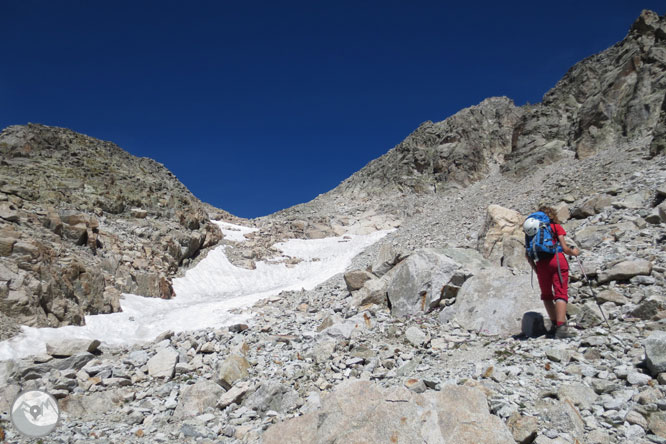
{"points": [[205, 295], [233, 232]]}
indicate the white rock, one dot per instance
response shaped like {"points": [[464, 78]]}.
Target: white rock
{"points": [[163, 364]]}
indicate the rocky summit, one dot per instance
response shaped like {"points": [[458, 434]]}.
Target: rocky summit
{"points": [[82, 221], [434, 334]]}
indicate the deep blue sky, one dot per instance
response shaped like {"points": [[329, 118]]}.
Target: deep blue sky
{"points": [[260, 105]]}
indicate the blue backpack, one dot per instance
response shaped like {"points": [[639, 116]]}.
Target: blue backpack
{"points": [[544, 243]]}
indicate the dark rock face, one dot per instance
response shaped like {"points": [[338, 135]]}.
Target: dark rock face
{"points": [[614, 97], [610, 99], [452, 153], [81, 221]]}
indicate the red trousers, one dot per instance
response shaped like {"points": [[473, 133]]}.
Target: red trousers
{"points": [[549, 279]]}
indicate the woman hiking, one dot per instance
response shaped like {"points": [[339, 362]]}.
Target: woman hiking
{"points": [[545, 252]]}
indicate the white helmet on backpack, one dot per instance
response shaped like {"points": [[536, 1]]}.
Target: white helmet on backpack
{"points": [[531, 226]]}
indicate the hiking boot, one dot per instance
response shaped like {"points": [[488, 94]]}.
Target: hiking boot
{"points": [[563, 332], [550, 333]]}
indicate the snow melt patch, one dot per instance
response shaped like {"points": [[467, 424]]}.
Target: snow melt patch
{"points": [[205, 295], [233, 232]]}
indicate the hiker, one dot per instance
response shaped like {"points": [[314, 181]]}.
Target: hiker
{"points": [[545, 250]]}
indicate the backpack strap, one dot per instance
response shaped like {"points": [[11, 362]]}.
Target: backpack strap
{"points": [[557, 256]]}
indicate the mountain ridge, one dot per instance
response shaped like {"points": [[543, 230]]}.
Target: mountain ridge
{"points": [[611, 97]]}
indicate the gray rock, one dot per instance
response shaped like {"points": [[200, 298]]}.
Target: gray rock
{"points": [[75, 362], [657, 423], [501, 239], [234, 395], [6, 370], [355, 279], [7, 395], [373, 292], [415, 336], [6, 246], [386, 259], [661, 210], [137, 358], [493, 302], [655, 352], [429, 160], [65, 348], [46, 168], [593, 235], [634, 417], [654, 217], [649, 308], [417, 283], [564, 418], [323, 349], [192, 429], [636, 378], [626, 270], [354, 326], [360, 411], [8, 212], [612, 296], [415, 385], [195, 399], [139, 213], [163, 364], [558, 353], [233, 368], [92, 406], [523, 428], [591, 206], [588, 315], [272, 395], [581, 395], [633, 201]]}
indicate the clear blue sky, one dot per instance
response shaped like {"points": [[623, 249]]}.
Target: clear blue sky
{"points": [[260, 105]]}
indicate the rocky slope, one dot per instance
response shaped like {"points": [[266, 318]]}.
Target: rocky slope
{"points": [[324, 355], [81, 221], [427, 323]]}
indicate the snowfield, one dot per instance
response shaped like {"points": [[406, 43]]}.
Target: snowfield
{"points": [[205, 295]]}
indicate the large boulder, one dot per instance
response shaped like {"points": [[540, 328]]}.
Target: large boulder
{"points": [[361, 411], [493, 302], [501, 239], [591, 236], [63, 348], [626, 270], [418, 283], [386, 259]]}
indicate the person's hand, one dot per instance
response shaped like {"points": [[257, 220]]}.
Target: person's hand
{"points": [[575, 251]]}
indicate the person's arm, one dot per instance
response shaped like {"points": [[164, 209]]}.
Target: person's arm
{"points": [[566, 249]]}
